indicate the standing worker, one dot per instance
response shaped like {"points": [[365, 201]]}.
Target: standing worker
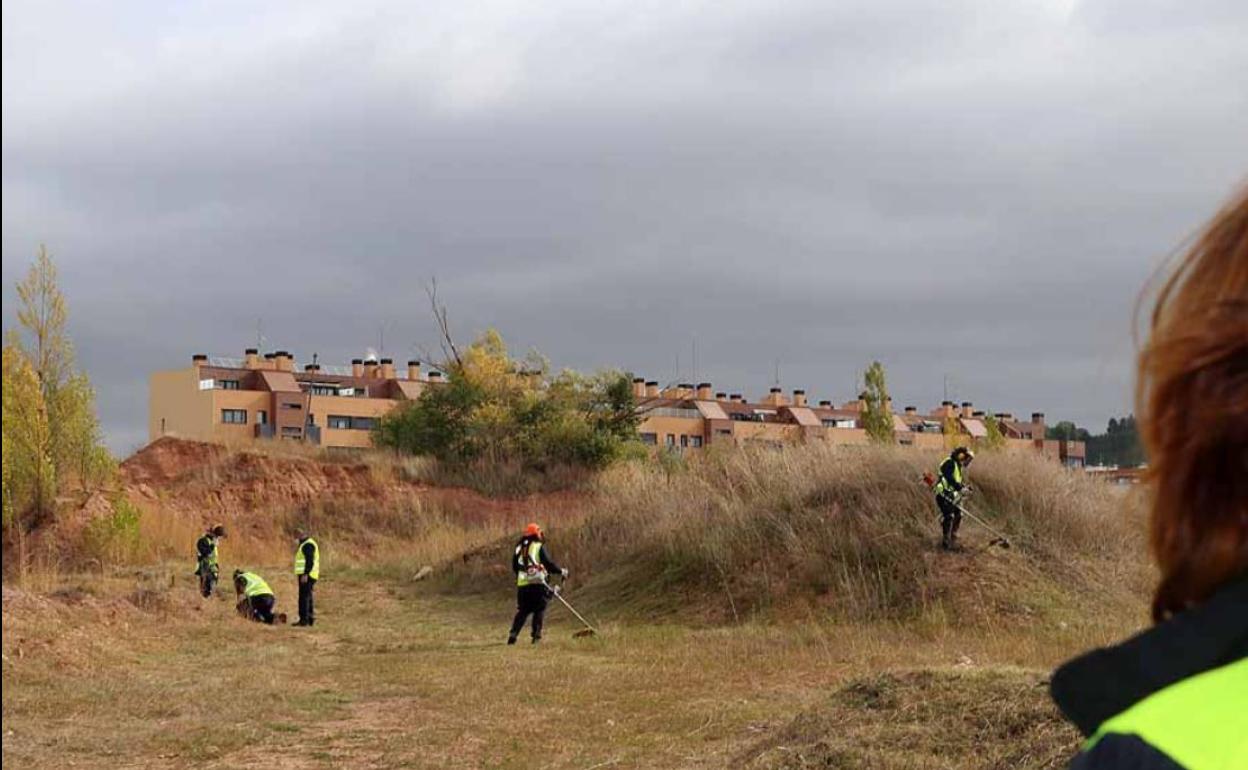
{"points": [[950, 486], [255, 598], [307, 572], [206, 559], [532, 563]]}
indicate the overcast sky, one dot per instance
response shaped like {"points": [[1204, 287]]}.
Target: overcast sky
{"points": [[976, 190]]}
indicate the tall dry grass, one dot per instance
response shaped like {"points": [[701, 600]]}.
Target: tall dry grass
{"points": [[849, 530]]}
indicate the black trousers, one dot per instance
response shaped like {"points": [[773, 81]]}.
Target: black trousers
{"points": [[262, 608], [950, 517], [207, 579], [530, 600], [306, 613]]}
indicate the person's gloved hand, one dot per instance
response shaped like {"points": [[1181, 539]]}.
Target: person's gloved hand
{"points": [[303, 578], [564, 572]]}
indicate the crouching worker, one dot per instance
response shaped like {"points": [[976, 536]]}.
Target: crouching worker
{"points": [[255, 598], [531, 563]]}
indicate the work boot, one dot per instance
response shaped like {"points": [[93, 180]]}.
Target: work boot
{"points": [[511, 639], [537, 639]]}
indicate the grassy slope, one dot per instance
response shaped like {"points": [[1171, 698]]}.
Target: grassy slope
{"points": [[396, 675], [774, 610]]}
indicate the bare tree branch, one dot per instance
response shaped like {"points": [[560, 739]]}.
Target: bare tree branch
{"points": [[449, 351]]}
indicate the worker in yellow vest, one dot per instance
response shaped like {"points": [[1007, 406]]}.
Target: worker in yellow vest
{"points": [[532, 564], [307, 572], [951, 485], [255, 598]]}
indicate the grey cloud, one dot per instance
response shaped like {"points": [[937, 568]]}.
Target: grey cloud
{"points": [[972, 189]]}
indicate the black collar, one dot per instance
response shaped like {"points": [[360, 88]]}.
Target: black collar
{"points": [[1103, 683]]}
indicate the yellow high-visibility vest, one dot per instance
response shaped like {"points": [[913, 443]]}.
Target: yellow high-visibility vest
{"points": [[315, 574]]}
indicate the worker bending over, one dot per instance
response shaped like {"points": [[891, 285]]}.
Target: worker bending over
{"points": [[950, 487], [307, 572], [255, 598], [532, 563], [207, 566]]}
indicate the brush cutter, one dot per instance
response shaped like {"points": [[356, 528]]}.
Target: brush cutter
{"points": [[1000, 538], [588, 630]]}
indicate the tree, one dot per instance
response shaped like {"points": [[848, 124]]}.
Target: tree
{"points": [[29, 474], [877, 418], [77, 450], [993, 438], [500, 409]]}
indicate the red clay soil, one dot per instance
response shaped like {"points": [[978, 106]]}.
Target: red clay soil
{"points": [[221, 483]]}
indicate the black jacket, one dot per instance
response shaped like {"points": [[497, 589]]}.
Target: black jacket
{"points": [[1103, 683], [543, 556], [203, 546]]}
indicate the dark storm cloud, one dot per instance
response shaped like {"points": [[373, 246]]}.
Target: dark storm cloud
{"points": [[960, 189]]}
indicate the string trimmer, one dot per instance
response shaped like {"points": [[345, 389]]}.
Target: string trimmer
{"points": [[588, 630], [1000, 538]]}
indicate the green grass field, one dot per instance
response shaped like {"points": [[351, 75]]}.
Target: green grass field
{"points": [[397, 675]]}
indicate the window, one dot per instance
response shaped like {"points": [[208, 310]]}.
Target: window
{"points": [[684, 440], [695, 441], [292, 405], [262, 417], [343, 422], [671, 440], [672, 411], [234, 416], [650, 439], [228, 384], [839, 423], [323, 390], [723, 431]]}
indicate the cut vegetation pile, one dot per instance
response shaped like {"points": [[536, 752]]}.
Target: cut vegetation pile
{"points": [[919, 720], [846, 531]]}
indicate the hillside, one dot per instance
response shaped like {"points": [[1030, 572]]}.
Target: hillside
{"points": [[763, 610], [843, 531]]}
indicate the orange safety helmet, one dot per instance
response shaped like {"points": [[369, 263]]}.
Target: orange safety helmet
{"points": [[533, 530]]}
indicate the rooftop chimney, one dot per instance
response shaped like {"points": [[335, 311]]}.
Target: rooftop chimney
{"points": [[284, 361], [270, 361], [704, 391], [370, 368], [799, 398], [775, 397], [684, 390], [1038, 418], [387, 369], [251, 358], [977, 413], [721, 396], [435, 376], [652, 388], [967, 409], [825, 404], [413, 371], [198, 360], [912, 410], [357, 367], [736, 398], [639, 387]]}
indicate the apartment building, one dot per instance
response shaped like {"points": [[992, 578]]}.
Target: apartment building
{"points": [[691, 417], [240, 400]]}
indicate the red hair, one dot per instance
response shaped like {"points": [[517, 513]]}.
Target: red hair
{"points": [[1192, 403]]}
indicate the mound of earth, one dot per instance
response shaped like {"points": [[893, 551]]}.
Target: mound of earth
{"points": [[931, 719]]}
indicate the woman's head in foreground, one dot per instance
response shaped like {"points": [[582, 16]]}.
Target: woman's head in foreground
{"points": [[1192, 404]]}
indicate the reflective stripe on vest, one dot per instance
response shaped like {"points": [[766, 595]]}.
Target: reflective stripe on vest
{"points": [[254, 585], [534, 572], [1200, 722], [315, 574]]}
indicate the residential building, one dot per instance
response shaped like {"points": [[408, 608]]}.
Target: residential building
{"points": [[242, 400]]}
